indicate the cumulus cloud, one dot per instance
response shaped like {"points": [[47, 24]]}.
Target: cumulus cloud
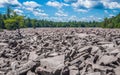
{"points": [[111, 5], [34, 8], [12, 3], [38, 12], [86, 4], [56, 4], [111, 15], [42, 14], [81, 10], [60, 13], [70, 0], [115, 11], [91, 18], [73, 18], [31, 4], [94, 4], [106, 11], [18, 11]]}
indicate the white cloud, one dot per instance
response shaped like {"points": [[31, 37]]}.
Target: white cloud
{"points": [[99, 19], [13, 3], [29, 9], [18, 11], [56, 4], [111, 5], [34, 8], [94, 18], [39, 10], [111, 15], [106, 11], [38, 14], [70, 0], [115, 11], [31, 4], [95, 4], [81, 10], [60, 13], [85, 4], [73, 18], [64, 4]]}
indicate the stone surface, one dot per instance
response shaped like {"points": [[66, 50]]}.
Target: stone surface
{"points": [[53, 63], [60, 51]]}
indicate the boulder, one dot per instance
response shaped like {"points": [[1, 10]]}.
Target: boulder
{"points": [[33, 55], [30, 73], [53, 63], [106, 59], [94, 73], [117, 71]]}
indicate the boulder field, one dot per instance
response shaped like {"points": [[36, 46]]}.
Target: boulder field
{"points": [[60, 51]]}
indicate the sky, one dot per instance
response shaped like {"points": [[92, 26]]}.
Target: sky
{"points": [[64, 10]]}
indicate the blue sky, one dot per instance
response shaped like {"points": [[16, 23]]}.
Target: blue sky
{"points": [[64, 10]]}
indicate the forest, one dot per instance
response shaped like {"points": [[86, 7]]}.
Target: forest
{"points": [[11, 21]]}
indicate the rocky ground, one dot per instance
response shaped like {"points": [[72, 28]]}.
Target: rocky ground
{"points": [[60, 51]]}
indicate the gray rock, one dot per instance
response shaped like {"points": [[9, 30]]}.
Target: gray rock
{"points": [[60, 51], [53, 63], [30, 73], [117, 71], [107, 59], [95, 73]]}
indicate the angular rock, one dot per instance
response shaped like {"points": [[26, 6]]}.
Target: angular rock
{"points": [[107, 59], [53, 63], [95, 73]]}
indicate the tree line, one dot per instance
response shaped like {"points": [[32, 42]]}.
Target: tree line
{"points": [[11, 21], [113, 22]]}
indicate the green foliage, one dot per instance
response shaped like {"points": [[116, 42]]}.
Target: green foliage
{"points": [[113, 22], [2, 24], [11, 24], [20, 21]]}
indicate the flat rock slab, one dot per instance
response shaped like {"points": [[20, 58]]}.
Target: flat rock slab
{"points": [[30, 73], [53, 63], [115, 51], [73, 72], [33, 55], [3, 44], [95, 73], [53, 54], [117, 71], [107, 59], [82, 35], [2, 73]]}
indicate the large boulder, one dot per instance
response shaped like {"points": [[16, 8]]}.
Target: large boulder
{"points": [[117, 71], [53, 63], [106, 59], [94, 73]]}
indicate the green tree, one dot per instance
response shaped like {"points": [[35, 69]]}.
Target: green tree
{"points": [[10, 24], [34, 23], [28, 22]]}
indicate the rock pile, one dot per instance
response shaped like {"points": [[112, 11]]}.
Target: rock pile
{"points": [[60, 51]]}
